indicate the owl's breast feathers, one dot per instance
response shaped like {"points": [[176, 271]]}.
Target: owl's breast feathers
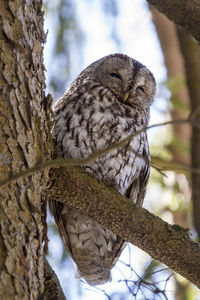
{"points": [[91, 123]]}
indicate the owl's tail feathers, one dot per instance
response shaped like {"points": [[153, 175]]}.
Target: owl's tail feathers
{"points": [[95, 275], [91, 267], [95, 262]]}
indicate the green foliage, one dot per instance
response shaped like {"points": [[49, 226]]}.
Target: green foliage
{"points": [[174, 84]]}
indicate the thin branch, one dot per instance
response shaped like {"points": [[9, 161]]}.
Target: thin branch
{"points": [[162, 165], [180, 121], [58, 162]]}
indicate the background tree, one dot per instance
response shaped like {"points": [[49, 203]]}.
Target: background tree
{"points": [[182, 99]]}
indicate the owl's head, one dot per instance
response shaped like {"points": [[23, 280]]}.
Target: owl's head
{"points": [[130, 81]]}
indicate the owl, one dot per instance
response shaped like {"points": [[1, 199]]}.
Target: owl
{"points": [[108, 102]]}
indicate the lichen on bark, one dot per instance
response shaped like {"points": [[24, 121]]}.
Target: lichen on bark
{"points": [[24, 142], [171, 244]]}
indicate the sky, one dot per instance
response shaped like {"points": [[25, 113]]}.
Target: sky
{"points": [[138, 39]]}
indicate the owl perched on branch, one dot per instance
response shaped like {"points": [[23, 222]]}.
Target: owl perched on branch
{"points": [[107, 102]]}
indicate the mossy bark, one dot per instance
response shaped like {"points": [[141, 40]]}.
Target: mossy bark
{"points": [[170, 244], [24, 142]]}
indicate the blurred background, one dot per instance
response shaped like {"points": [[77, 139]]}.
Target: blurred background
{"points": [[80, 32]]}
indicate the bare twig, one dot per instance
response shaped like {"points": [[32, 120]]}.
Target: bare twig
{"points": [[69, 162], [137, 286]]}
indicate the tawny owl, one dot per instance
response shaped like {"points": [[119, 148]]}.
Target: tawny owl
{"points": [[107, 102]]}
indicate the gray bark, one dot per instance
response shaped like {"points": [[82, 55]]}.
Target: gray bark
{"points": [[24, 139]]}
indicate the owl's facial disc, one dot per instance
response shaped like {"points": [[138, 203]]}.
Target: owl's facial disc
{"points": [[130, 82]]}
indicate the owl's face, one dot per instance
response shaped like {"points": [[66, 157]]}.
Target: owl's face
{"points": [[130, 81]]}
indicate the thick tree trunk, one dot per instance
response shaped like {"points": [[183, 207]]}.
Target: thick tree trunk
{"points": [[24, 142]]}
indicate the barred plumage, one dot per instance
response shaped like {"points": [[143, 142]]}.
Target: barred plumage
{"points": [[106, 103]]}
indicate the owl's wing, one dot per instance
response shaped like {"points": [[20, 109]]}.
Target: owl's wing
{"points": [[137, 190], [56, 209], [136, 193], [94, 248]]}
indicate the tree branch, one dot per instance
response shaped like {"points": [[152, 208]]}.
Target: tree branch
{"points": [[170, 244], [70, 162], [183, 13]]}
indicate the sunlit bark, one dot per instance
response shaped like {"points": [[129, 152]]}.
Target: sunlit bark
{"points": [[24, 139]]}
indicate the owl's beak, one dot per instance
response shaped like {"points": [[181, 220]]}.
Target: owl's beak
{"points": [[126, 95]]}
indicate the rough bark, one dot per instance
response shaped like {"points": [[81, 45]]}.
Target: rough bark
{"points": [[191, 53], [182, 12], [53, 289], [24, 142], [169, 244]]}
